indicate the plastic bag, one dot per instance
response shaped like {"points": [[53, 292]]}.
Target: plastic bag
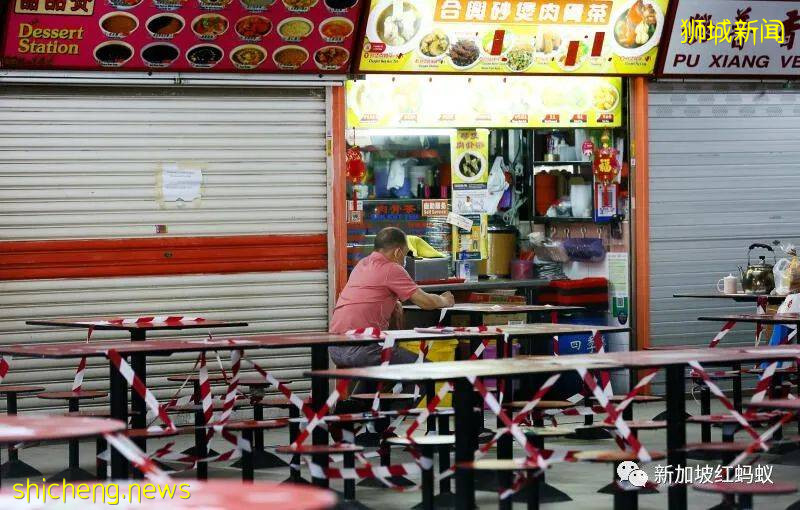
{"points": [[792, 275], [585, 249], [550, 250]]}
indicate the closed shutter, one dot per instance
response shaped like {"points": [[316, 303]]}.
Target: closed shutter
{"points": [[724, 173], [84, 163]]}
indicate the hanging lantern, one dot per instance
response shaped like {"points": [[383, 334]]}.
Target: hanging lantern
{"points": [[356, 170], [605, 166]]}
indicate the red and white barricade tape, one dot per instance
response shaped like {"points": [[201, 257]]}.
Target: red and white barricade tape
{"points": [[605, 377], [724, 400], [764, 382], [724, 331], [428, 409], [233, 387], [5, 366], [154, 319], [137, 457], [614, 417], [138, 386], [319, 417], [285, 390], [206, 401], [631, 396], [77, 381], [761, 441]]}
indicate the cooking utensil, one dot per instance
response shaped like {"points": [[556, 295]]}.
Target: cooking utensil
{"points": [[758, 278]]}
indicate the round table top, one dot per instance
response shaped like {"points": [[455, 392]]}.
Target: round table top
{"points": [[43, 427], [210, 495], [747, 488], [65, 395], [256, 424], [19, 388], [614, 456], [196, 378]]}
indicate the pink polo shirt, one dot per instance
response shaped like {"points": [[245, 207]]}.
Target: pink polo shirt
{"points": [[369, 297]]}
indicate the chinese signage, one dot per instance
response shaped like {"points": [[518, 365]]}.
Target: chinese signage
{"points": [[302, 36], [470, 170], [484, 101], [618, 37], [720, 37]]}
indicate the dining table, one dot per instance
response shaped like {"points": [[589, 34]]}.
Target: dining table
{"points": [[459, 373], [42, 427], [476, 311]]}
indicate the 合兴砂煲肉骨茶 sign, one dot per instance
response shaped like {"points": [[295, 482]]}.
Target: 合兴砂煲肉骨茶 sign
{"points": [[599, 37], [260, 36], [723, 38]]}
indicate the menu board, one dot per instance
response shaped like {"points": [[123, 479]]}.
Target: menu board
{"points": [[263, 36], [723, 38], [602, 37], [383, 101]]}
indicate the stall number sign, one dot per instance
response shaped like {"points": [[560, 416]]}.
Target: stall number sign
{"points": [[719, 37]]}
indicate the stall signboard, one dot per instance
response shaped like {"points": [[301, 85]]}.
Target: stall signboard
{"points": [[470, 170], [256, 36], [601, 37], [724, 38], [410, 101]]}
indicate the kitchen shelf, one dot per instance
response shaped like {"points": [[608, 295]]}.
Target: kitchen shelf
{"points": [[562, 219], [560, 163]]}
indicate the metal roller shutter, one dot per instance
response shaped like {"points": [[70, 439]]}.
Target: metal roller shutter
{"points": [[724, 173], [82, 163]]}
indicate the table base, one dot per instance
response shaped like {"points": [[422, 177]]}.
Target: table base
{"points": [[263, 459], [16, 468], [547, 494], [73, 474], [443, 500], [396, 480]]}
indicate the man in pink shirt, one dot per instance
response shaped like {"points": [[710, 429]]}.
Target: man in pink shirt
{"points": [[373, 296]]}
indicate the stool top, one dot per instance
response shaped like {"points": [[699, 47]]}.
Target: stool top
{"points": [[559, 431], [442, 440], [439, 411], [747, 488], [344, 418], [782, 404], [641, 425], [280, 402], [191, 408], [89, 413], [727, 418], [638, 399], [258, 381], [313, 449], [196, 378], [613, 456], [383, 396], [714, 446], [66, 395], [19, 388], [543, 404], [150, 434], [256, 424], [720, 374], [500, 465]]}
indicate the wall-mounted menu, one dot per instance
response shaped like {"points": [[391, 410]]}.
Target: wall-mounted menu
{"points": [[383, 101], [611, 37], [301, 36]]}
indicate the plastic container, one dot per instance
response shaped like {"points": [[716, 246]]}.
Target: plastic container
{"points": [[522, 269], [545, 192]]}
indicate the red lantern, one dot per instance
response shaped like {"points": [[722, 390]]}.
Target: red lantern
{"points": [[605, 167], [355, 167]]}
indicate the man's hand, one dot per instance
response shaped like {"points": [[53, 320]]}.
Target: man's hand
{"points": [[448, 299], [396, 320]]}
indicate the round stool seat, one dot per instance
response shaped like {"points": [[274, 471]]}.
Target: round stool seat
{"points": [[257, 382], [277, 402], [717, 375], [724, 419], [196, 378], [382, 396], [19, 388], [317, 449], [752, 489], [672, 347], [717, 447], [152, 434], [785, 370], [500, 465], [542, 405], [67, 395], [191, 408], [443, 440], [640, 425], [558, 431], [638, 399], [89, 413], [344, 418], [256, 424], [614, 456], [443, 411]]}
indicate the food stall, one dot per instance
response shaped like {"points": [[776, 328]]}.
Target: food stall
{"points": [[511, 124]]}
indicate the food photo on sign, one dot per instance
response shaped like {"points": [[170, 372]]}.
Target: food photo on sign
{"points": [[178, 35]]}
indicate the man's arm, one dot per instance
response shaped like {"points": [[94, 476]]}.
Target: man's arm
{"points": [[431, 301]]}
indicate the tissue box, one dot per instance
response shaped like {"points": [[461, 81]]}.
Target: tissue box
{"points": [[422, 270]]}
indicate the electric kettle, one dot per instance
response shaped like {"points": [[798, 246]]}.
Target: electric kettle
{"points": [[758, 278]]}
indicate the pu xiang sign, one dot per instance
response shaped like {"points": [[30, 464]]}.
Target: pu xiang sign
{"points": [[724, 37]]}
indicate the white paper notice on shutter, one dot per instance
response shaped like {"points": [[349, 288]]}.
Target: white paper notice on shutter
{"points": [[181, 184]]}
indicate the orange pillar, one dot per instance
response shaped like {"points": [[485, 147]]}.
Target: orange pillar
{"points": [[641, 205], [338, 188]]}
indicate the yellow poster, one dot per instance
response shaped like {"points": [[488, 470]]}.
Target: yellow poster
{"points": [[384, 101], [470, 170], [613, 37]]}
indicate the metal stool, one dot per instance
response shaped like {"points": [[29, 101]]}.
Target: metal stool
{"points": [[15, 468]]}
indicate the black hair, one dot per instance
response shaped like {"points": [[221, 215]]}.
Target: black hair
{"points": [[390, 238]]}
